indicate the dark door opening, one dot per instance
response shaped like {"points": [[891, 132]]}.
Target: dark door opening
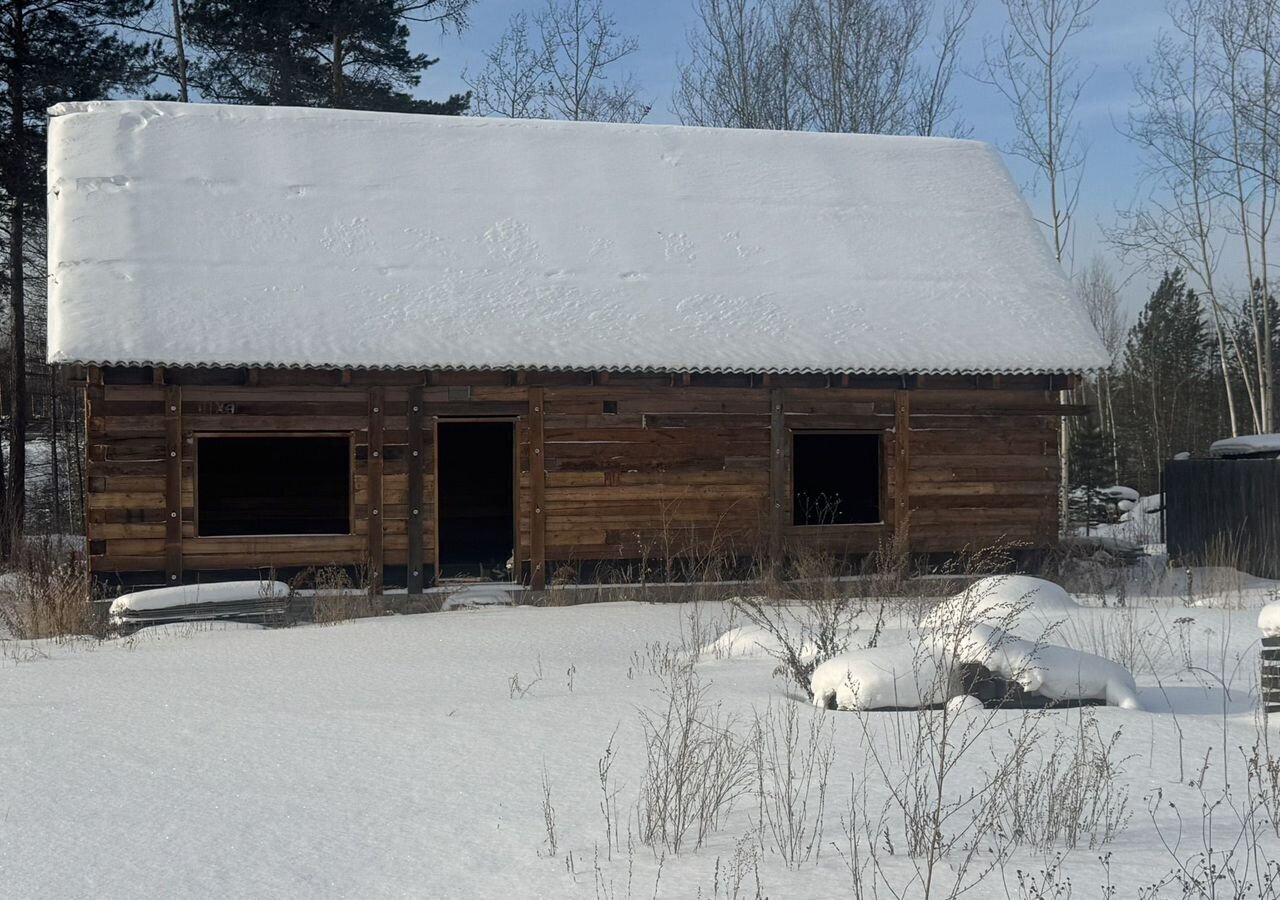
{"points": [[475, 471]]}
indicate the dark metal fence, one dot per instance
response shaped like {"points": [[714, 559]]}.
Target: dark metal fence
{"points": [[1224, 512]]}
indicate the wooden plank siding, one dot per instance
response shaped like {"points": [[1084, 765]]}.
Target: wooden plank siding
{"points": [[629, 466]]}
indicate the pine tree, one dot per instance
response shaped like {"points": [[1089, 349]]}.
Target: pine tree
{"points": [[1090, 472], [50, 51], [350, 54], [1167, 380]]}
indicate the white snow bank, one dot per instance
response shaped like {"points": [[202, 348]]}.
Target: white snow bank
{"points": [[190, 594], [476, 597], [1245, 445], [903, 676], [975, 627], [747, 641], [1004, 601], [1059, 673], [1269, 620], [198, 234], [925, 672], [1120, 492]]}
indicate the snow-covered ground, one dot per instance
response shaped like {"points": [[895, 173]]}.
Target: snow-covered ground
{"points": [[422, 756]]}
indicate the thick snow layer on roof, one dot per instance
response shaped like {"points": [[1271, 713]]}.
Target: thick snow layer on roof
{"points": [[1246, 445], [188, 234]]}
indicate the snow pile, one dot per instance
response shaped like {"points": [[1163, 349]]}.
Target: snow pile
{"points": [[1269, 620], [1003, 601], [197, 594], [1058, 673], [1120, 493], [1246, 445], [902, 676], [973, 628], [198, 234], [476, 597]]}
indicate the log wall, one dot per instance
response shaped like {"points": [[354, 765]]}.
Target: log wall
{"points": [[608, 466]]}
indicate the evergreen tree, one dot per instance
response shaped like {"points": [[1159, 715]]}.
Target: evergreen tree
{"points": [[1167, 380], [351, 54], [1090, 472], [50, 51]]}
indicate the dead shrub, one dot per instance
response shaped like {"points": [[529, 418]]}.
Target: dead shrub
{"points": [[336, 596], [695, 766], [47, 595]]}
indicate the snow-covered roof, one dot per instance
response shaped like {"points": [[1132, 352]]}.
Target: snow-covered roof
{"points": [[216, 235], [1262, 445]]}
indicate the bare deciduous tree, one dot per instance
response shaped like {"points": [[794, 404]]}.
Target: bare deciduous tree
{"points": [[1102, 302], [565, 66], [1206, 123], [826, 65], [511, 84], [742, 70], [1031, 67]]}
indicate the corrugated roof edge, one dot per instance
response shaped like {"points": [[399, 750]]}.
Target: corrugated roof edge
{"points": [[650, 370]]}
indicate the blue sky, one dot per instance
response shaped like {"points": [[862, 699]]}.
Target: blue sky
{"points": [[1120, 38]]}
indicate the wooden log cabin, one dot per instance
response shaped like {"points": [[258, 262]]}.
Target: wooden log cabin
{"points": [[437, 348]]}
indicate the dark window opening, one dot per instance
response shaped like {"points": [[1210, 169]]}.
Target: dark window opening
{"points": [[611, 407], [835, 478], [273, 485], [476, 468]]}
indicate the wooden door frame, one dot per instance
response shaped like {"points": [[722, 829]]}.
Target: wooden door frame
{"points": [[514, 422]]}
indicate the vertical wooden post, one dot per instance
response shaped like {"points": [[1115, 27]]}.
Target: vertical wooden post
{"points": [[173, 485], [377, 409], [537, 491], [777, 473], [416, 462], [902, 470]]}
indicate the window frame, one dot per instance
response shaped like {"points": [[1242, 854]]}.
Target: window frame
{"points": [[351, 484], [882, 478]]}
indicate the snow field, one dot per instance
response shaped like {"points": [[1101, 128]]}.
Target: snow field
{"points": [[393, 757]]}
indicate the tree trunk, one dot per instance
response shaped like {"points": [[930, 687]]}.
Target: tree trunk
{"points": [[15, 507], [180, 47], [16, 511]]}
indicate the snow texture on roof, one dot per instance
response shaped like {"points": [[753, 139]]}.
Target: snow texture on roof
{"points": [[1246, 445], [187, 234]]}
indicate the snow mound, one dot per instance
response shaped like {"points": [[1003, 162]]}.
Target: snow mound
{"points": [[1121, 493], [197, 594], [1269, 620], [975, 628], [905, 676], [1003, 600], [747, 640], [1246, 445], [477, 597], [964, 703], [1052, 671]]}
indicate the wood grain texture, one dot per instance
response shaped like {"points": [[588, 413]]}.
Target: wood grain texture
{"points": [[629, 467]]}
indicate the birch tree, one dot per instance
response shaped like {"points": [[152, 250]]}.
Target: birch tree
{"points": [[1206, 126]]}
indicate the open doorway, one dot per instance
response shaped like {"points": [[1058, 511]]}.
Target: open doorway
{"points": [[475, 493]]}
